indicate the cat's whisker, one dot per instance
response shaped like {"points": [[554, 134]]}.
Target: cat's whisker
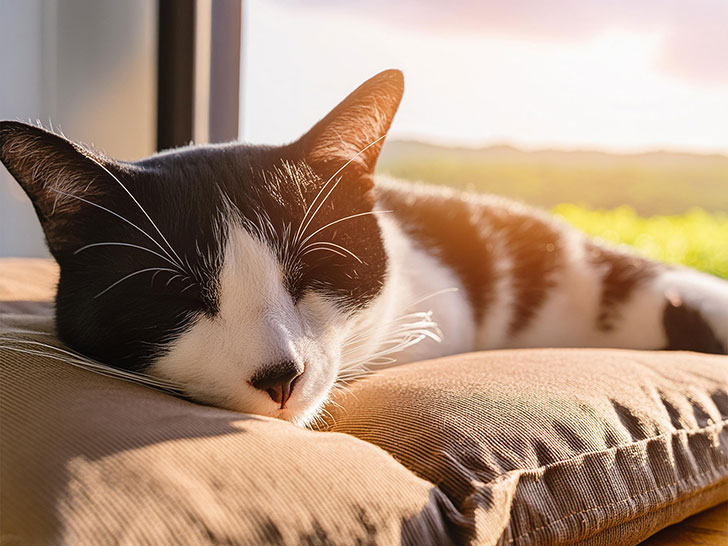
{"points": [[187, 288], [84, 362], [333, 403], [328, 413], [433, 294], [112, 175], [28, 332], [426, 327], [95, 366], [353, 343], [400, 337], [107, 372], [121, 218], [114, 243], [318, 422], [302, 228], [355, 375], [317, 246], [425, 316], [154, 276], [308, 223], [132, 275], [189, 269], [343, 384], [426, 322], [308, 210], [399, 344], [329, 249], [173, 277], [367, 213], [383, 360]]}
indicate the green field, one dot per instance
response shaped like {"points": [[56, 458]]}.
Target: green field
{"points": [[670, 206], [696, 238]]}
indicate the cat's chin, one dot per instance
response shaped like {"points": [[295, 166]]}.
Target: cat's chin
{"points": [[307, 416], [302, 419], [299, 414]]}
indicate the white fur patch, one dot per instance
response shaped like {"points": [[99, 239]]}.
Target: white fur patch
{"points": [[257, 325], [568, 317], [420, 294], [494, 329]]}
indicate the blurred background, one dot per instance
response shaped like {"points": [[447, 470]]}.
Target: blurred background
{"points": [[612, 114]]}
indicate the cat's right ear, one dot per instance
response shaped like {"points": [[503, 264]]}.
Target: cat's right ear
{"points": [[353, 133], [60, 178]]}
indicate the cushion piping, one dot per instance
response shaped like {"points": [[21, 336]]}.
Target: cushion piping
{"points": [[720, 426]]}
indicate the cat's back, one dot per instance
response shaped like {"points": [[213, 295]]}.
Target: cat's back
{"points": [[484, 239]]}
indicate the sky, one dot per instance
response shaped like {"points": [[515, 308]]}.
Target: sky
{"points": [[621, 76]]}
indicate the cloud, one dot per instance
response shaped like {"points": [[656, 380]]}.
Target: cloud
{"points": [[694, 37]]}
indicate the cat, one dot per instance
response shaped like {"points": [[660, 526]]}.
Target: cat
{"points": [[259, 278]]}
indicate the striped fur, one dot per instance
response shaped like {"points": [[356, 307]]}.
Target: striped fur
{"points": [[558, 288]]}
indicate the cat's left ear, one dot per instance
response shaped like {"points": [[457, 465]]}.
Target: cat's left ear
{"points": [[61, 178], [354, 131]]}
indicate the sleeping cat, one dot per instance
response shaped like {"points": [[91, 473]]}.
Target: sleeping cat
{"points": [[258, 278]]}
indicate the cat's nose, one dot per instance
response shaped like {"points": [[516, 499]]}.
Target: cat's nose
{"points": [[278, 380]]}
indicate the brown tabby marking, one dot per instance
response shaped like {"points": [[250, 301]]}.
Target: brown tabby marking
{"points": [[623, 273], [535, 247], [452, 228], [462, 232]]}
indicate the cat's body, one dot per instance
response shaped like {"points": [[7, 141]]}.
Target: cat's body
{"points": [[527, 279], [257, 278]]}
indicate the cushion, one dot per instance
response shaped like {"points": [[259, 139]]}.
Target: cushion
{"points": [[554, 446], [502, 447]]}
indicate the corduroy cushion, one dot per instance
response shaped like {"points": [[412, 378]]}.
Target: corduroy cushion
{"points": [[555, 446], [505, 447]]}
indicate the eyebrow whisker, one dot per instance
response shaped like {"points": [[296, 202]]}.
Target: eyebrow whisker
{"points": [[121, 218], [114, 243], [132, 275]]}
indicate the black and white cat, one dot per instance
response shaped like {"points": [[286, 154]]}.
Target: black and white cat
{"points": [[258, 277]]}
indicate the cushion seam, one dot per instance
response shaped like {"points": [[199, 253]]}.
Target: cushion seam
{"points": [[719, 425], [683, 481], [660, 506]]}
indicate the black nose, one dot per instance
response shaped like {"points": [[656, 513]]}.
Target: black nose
{"points": [[278, 380]]}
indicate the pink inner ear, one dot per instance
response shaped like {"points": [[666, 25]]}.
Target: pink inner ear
{"points": [[354, 131]]}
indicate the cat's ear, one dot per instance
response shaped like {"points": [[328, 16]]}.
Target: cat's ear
{"points": [[354, 131], [60, 177]]}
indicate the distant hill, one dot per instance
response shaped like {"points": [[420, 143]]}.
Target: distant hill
{"points": [[653, 183]]}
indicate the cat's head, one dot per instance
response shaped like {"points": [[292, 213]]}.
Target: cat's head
{"points": [[233, 270]]}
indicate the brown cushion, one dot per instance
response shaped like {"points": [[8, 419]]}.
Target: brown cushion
{"points": [[555, 446], [85, 458]]}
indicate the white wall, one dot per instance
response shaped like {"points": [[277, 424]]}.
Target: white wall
{"points": [[86, 66]]}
